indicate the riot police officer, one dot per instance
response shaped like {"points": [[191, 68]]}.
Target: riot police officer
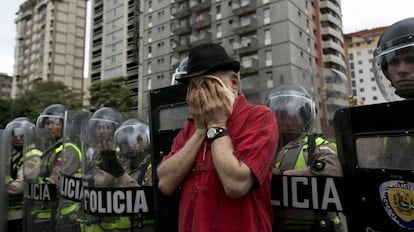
{"points": [[41, 196], [394, 60], [302, 153], [132, 139], [102, 168], [15, 131], [69, 213]]}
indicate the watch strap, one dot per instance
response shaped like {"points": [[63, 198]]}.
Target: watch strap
{"points": [[220, 132]]}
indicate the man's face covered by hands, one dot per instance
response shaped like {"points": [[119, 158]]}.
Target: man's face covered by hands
{"points": [[211, 98]]}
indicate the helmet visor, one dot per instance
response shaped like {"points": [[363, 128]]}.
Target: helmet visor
{"points": [[132, 139], [295, 114], [394, 71], [44, 120]]}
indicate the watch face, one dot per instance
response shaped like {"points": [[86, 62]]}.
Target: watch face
{"points": [[211, 133]]}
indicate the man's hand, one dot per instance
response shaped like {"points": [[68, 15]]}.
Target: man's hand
{"points": [[193, 100], [216, 107]]}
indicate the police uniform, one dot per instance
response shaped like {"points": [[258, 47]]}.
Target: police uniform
{"points": [[47, 167], [293, 160]]}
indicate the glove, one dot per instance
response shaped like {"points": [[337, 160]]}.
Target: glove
{"points": [[110, 164]]}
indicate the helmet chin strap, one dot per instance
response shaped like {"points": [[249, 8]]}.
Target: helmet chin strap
{"points": [[405, 93]]}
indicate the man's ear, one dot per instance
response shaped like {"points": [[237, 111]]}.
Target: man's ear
{"points": [[235, 82]]}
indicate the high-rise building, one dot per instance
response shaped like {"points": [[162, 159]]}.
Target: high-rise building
{"points": [[360, 46], [50, 42], [276, 41], [333, 84], [115, 34]]}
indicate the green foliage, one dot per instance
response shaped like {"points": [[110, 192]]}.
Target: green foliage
{"points": [[33, 101], [111, 93]]}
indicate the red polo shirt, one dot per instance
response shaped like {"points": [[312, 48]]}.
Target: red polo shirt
{"points": [[204, 205]]}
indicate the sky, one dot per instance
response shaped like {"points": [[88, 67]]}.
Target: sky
{"points": [[356, 15]]}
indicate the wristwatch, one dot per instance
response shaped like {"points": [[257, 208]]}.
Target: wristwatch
{"points": [[216, 132]]}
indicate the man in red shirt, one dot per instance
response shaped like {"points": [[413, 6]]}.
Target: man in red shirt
{"points": [[222, 158]]}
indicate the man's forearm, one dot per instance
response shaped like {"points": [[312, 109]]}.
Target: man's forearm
{"points": [[172, 172], [235, 175]]}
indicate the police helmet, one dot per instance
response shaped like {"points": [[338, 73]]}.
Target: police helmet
{"points": [[54, 113], [105, 117], [132, 137], [396, 39], [181, 70], [16, 129], [291, 102]]}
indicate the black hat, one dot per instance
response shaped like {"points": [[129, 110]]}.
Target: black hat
{"points": [[209, 57]]}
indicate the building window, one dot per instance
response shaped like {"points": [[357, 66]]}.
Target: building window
{"points": [[219, 32], [149, 83], [150, 21], [360, 71], [266, 16], [375, 98], [149, 36], [218, 12], [361, 90], [268, 55], [361, 80], [149, 68], [149, 6], [351, 56], [267, 37], [149, 52], [374, 88]]}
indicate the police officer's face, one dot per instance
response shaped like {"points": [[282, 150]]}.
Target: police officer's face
{"points": [[289, 127], [17, 141], [401, 69], [54, 126], [104, 131]]}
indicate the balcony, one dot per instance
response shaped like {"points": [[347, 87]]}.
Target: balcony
{"points": [[201, 21], [249, 46], [249, 65], [182, 28], [247, 25], [199, 5], [200, 38], [180, 10], [182, 45], [241, 7]]}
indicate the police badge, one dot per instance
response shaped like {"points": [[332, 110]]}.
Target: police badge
{"points": [[397, 198]]}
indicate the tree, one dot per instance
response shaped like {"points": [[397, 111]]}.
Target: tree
{"points": [[33, 101], [111, 93], [5, 113]]}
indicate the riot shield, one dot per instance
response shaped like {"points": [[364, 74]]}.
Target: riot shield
{"points": [[112, 199], [69, 213], [40, 196], [376, 149], [168, 112], [13, 160], [3, 175]]}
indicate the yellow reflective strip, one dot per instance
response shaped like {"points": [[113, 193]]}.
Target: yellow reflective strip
{"points": [[69, 209], [76, 149], [59, 149]]}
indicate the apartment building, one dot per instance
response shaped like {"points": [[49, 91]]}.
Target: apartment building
{"points": [[360, 46], [50, 42], [276, 41], [333, 84]]}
